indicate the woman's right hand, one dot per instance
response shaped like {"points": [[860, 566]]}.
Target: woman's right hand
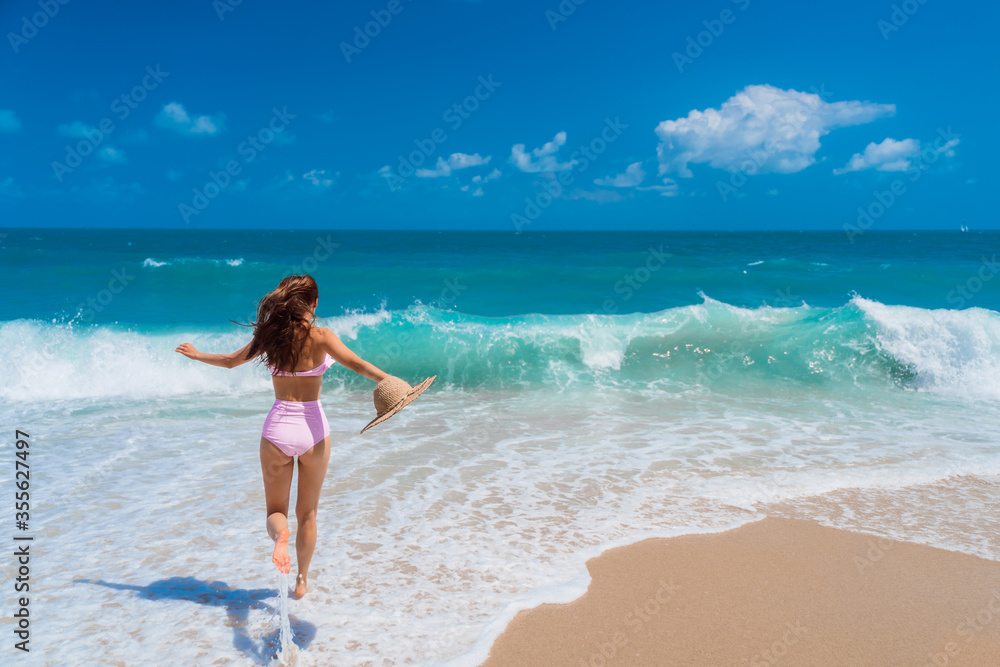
{"points": [[188, 350]]}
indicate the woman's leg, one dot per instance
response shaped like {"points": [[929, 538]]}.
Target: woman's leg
{"points": [[277, 468], [312, 472]]}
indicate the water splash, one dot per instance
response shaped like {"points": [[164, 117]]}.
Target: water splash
{"points": [[288, 652]]}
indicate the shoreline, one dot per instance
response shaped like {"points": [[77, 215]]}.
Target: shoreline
{"points": [[773, 591]]}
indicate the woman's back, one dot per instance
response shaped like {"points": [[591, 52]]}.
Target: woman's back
{"points": [[312, 362]]}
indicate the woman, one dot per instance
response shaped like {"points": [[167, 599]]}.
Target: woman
{"points": [[297, 354]]}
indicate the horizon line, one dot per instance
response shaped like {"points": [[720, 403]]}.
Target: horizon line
{"points": [[465, 229]]}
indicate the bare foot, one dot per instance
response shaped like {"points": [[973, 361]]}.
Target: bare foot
{"points": [[280, 557], [300, 586]]}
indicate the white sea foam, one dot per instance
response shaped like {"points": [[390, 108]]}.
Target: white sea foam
{"points": [[435, 529], [60, 361], [153, 263], [346, 326], [952, 352]]}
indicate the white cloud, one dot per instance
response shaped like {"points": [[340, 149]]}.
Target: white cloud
{"points": [[9, 122], [890, 155], [290, 185], [320, 178], [111, 155], [175, 117], [454, 162], [599, 196], [478, 180], [79, 130], [540, 159], [668, 189], [492, 176], [769, 128], [632, 177]]}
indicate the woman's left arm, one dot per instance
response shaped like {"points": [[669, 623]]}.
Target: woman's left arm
{"points": [[224, 360]]}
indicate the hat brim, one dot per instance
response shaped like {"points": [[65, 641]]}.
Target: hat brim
{"points": [[402, 403]]}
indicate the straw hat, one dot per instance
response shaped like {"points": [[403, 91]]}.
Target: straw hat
{"points": [[392, 394]]}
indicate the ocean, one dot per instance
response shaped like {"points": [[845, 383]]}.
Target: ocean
{"points": [[594, 389]]}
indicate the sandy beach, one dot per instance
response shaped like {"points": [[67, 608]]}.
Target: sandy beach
{"points": [[776, 591]]}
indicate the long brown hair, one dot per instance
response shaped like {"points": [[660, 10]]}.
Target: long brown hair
{"points": [[281, 326]]}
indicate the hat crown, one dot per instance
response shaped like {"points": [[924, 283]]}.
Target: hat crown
{"points": [[388, 392]]}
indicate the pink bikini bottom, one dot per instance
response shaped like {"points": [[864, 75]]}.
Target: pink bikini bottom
{"points": [[295, 426]]}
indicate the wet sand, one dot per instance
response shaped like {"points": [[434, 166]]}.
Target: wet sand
{"points": [[777, 591]]}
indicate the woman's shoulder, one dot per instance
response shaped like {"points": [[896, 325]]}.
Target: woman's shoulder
{"points": [[322, 333]]}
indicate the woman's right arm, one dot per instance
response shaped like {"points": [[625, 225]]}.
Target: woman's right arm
{"points": [[336, 349]]}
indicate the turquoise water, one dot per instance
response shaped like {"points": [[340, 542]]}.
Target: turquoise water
{"points": [[502, 310], [593, 388], [191, 277]]}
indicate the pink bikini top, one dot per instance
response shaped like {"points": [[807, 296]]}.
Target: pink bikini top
{"points": [[319, 370]]}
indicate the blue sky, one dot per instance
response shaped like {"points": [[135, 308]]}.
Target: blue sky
{"points": [[651, 115]]}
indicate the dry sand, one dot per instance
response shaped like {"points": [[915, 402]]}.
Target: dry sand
{"points": [[773, 592]]}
